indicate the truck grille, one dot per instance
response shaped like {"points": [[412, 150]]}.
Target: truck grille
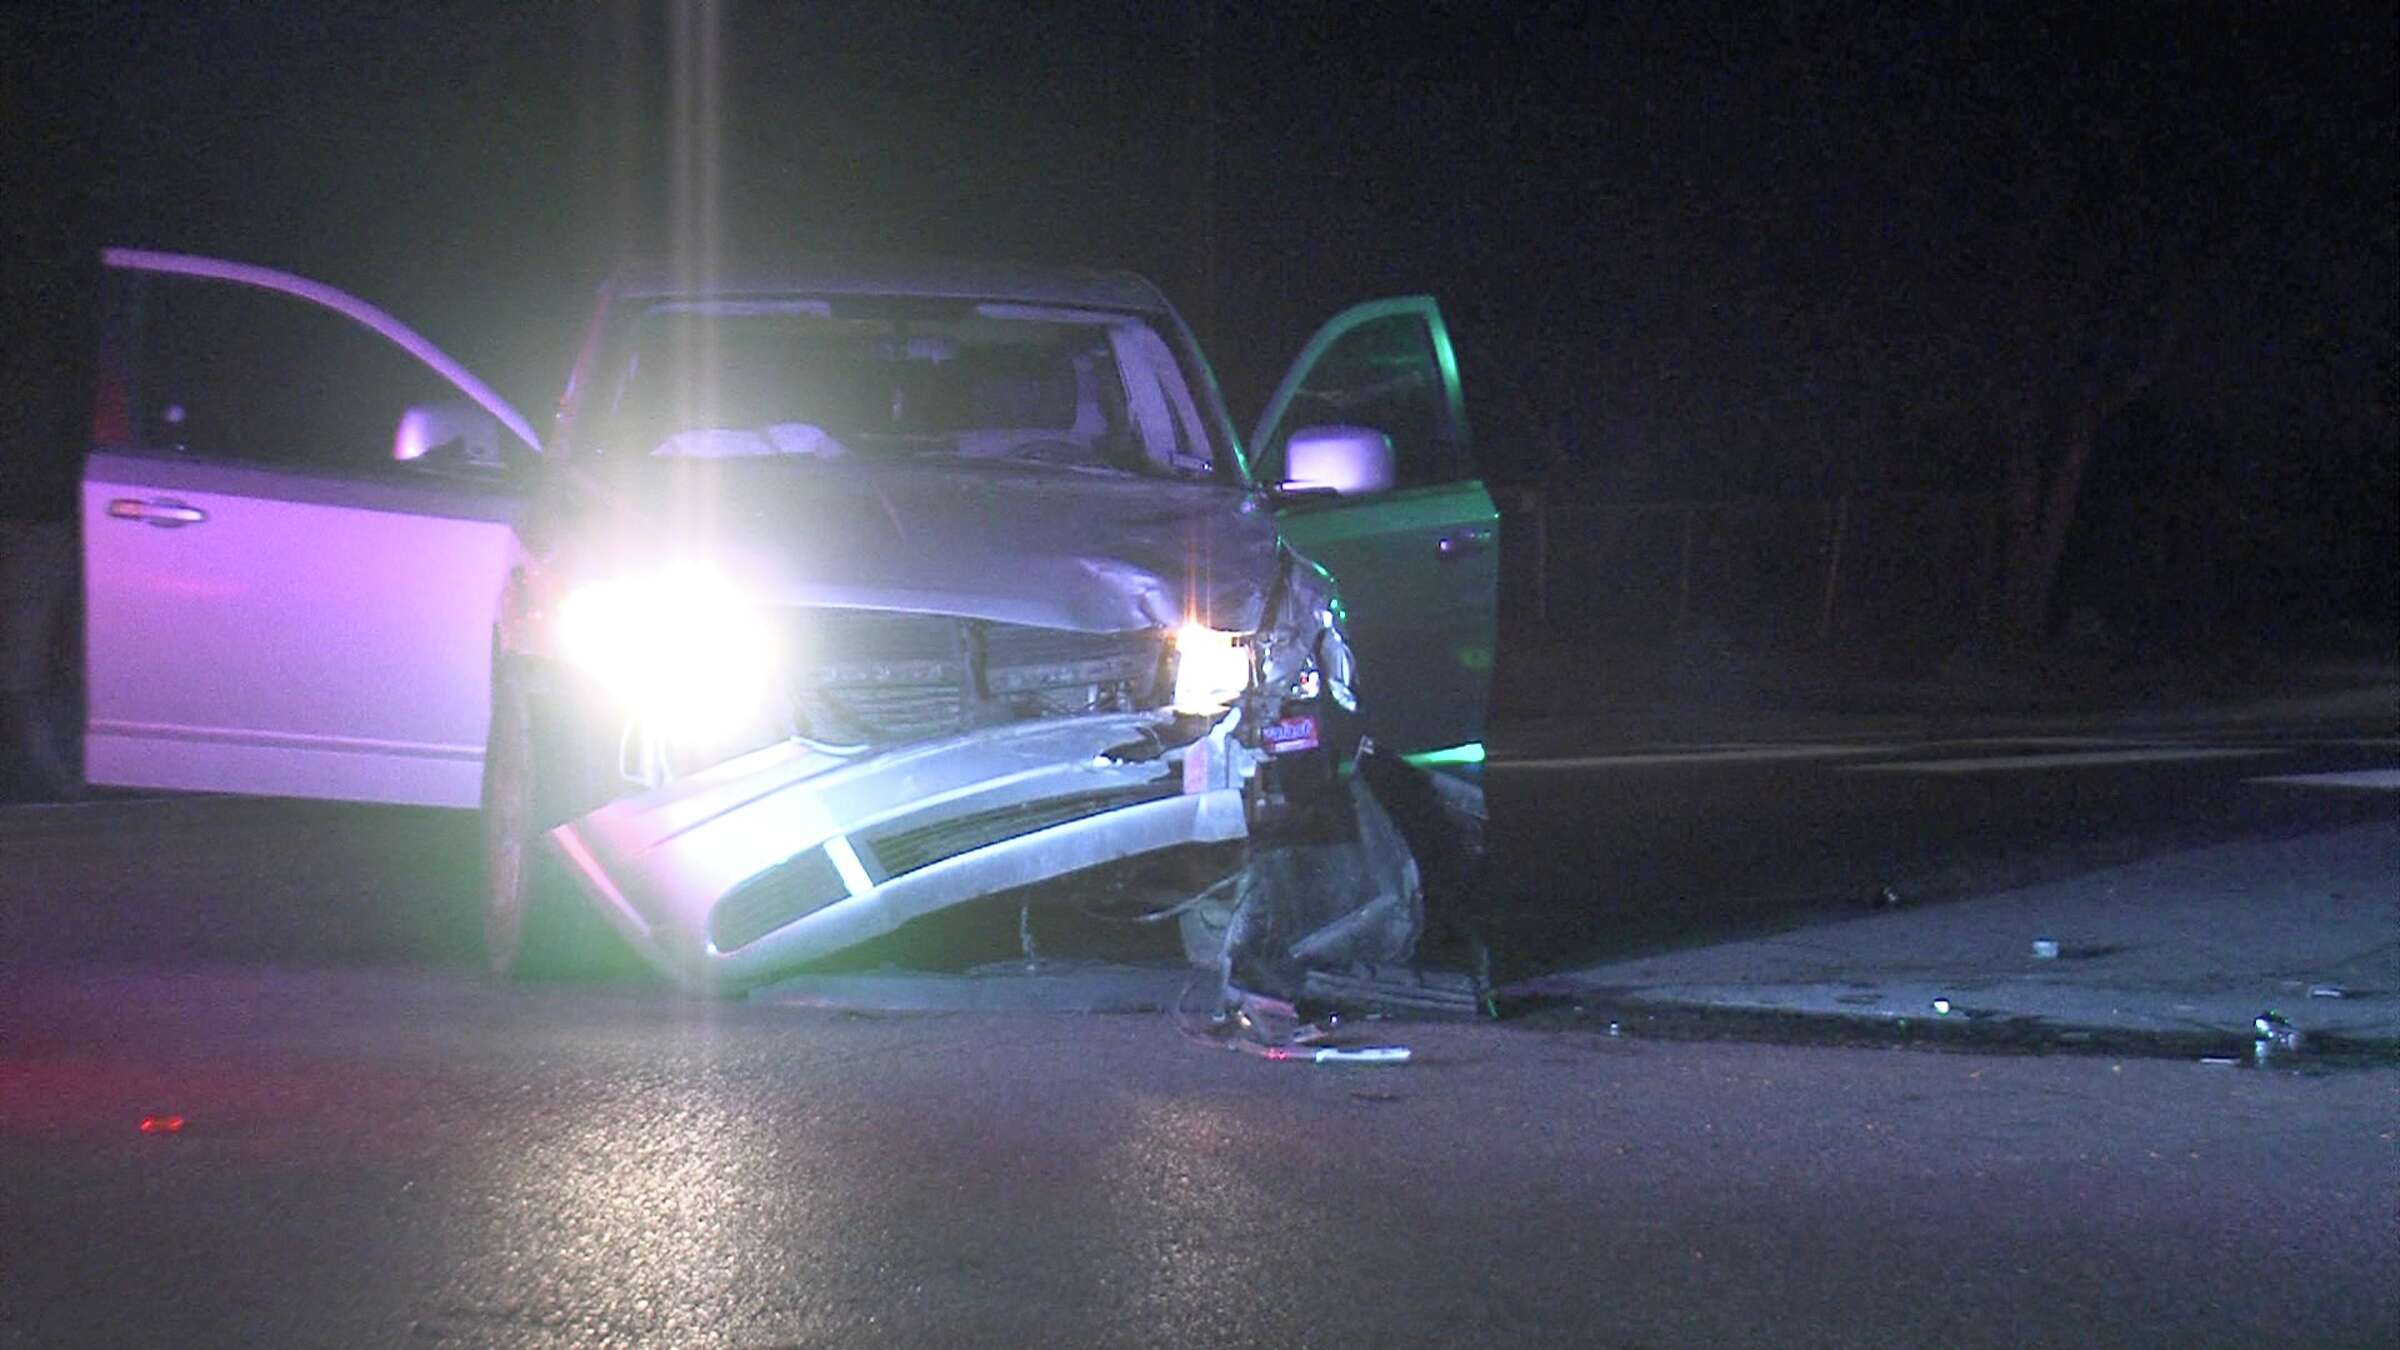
{"points": [[887, 679]]}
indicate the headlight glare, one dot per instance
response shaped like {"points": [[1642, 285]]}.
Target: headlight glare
{"points": [[1211, 668], [683, 648]]}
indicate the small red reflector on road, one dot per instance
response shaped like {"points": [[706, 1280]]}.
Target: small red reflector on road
{"points": [[162, 1124]]}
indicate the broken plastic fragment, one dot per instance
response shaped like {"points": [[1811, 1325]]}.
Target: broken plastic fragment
{"points": [[162, 1124], [2276, 1032], [1941, 1007], [2045, 949], [2327, 991], [1365, 1054]]}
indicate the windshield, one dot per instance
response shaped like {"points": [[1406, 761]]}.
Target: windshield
{"points": [[961, 381]]}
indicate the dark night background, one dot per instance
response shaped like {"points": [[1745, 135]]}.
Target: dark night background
{"points": [[1755, 251]]}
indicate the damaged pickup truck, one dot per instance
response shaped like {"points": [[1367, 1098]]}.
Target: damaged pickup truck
{"points": [[840, 594]]}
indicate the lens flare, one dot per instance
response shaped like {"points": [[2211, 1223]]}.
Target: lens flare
{"points": [[1211, 668], [683, 648]]}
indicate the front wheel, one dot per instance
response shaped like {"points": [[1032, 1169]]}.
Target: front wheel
{"points": [[535, 923]]}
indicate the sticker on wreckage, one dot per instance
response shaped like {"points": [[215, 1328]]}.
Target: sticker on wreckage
{"points": [[1290, 734]]}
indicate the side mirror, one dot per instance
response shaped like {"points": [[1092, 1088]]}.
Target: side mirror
{"points": [[1349, 461], [455, 437]]}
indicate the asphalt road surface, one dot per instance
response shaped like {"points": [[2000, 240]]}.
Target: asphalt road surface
{"points": [[377, 1147]]}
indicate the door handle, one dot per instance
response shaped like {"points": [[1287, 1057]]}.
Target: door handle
{"points": [[1464, 542], [165, 513]]}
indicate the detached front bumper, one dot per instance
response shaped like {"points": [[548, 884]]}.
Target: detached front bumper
{"points": [[789, 854]]}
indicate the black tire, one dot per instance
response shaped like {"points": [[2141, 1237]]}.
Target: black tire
{"points": [[536, 922]]}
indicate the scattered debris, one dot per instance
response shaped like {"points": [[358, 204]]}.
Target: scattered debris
{"points": [[1343, 892], [1266, 1027], [1884, 898], [2327, 991], [2045, 949], [2275, 1027], [1329, 1054], [1268, 1021], [2276, 1035], [162, 1124]]}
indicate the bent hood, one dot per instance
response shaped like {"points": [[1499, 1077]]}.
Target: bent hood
{"points": [[1008, 543]]}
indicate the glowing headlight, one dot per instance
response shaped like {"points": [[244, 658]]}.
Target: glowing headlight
{"points": [[682, 647], [1211, 668]]}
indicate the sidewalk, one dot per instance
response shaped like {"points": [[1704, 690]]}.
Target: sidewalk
{"points": [[2202, 941]]}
